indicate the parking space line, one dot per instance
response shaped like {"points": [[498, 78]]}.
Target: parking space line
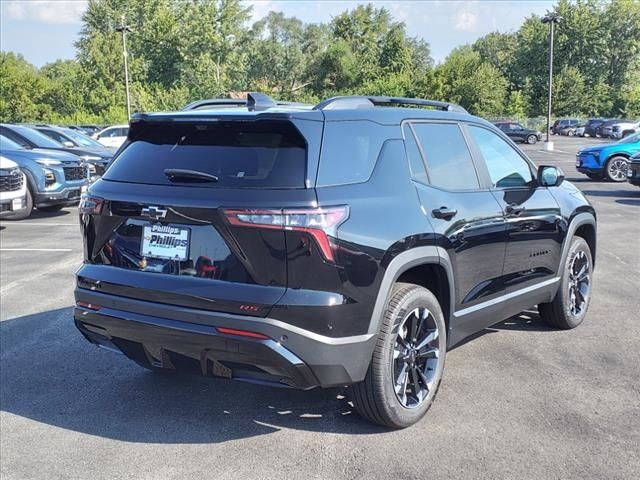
{"points": [[33, 224], [35, 250]]}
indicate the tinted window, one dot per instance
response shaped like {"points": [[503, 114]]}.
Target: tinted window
{"points": [[37, 138], [55, 135], [506, 167], [349, 151], [413, 155], [260, 154], [109, 133], [81, 139], [448, 160]]}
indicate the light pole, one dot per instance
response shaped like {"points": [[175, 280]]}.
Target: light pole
{"points": [[551, 18], [124, 28]]}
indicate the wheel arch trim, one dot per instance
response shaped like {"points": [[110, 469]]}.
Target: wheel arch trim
{"points": [[583, 218], [425, 255]]}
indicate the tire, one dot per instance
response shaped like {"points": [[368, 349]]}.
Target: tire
{"points": [[380, 398], [51, 208], [570, 133], [532, 139], [616, 169], [24, 213], [563, 311]]}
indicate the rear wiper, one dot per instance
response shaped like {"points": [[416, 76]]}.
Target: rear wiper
{"points": [[182, 175]]}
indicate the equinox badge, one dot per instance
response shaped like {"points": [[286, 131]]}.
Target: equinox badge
{"points": [[154, 213]]}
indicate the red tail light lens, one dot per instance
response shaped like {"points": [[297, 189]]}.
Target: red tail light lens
{"points": [[320, 223], [90, 205], [90, 306], [241, 333]]}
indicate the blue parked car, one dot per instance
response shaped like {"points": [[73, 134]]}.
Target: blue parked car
{"points": [[55, 179], [610, 160]]}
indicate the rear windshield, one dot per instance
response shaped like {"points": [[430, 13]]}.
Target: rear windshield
{"points": [[255, 154]]}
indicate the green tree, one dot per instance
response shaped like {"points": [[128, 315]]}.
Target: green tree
{"points": [[476, 85], [277, 63], [517, 105], [21, 90]]}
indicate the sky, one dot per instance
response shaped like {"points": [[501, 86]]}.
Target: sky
{"points": [[45, 30]]}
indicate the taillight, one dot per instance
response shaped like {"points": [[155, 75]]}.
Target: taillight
{"points": [[90, 205], [320, 223]]}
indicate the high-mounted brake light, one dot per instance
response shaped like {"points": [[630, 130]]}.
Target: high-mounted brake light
{"points": [[320, 223], [90, 205]]}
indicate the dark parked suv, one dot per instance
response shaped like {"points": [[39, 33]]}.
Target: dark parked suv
{"points": [[518, 133], [349, 243]]}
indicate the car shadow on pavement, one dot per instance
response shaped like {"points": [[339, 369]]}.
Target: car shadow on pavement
{"points": [[527, 321], [41, 214], [50, 374], [611, 193], [633, 202]]}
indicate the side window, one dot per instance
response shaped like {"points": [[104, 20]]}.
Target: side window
{"points": [[122, 132], [446, 155], [506, 168], [416, 164], [350, 150], [55, 135]]}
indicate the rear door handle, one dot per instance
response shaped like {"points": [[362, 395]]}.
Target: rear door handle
{"points": [[444, 213], [514, 209]]}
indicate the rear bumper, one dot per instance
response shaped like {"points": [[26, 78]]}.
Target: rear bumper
{"points": [[187, 340]]}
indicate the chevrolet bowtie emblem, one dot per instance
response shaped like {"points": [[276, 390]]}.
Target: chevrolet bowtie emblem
{"points": [[154, 213]]}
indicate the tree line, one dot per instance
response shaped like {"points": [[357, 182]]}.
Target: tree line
{"points": [[193, 49]]}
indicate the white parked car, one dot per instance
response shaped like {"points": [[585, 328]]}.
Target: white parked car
{"points": [[579, 131], [13, 190], [624, 128], [112, 136]]}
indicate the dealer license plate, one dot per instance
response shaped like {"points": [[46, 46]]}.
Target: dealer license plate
{"points": [[165, 241]]}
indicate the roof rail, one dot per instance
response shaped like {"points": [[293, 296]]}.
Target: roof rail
{"points": [[336, 103], [254, 101], [214, 102]]}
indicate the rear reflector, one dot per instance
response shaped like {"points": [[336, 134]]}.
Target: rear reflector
{"points": [[320, 223], [90, 306], [241, 333]]}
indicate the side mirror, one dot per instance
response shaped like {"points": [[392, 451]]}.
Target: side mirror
{"points": [[549, 176]]}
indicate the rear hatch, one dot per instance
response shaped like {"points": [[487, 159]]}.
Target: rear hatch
{"points": [[162, 223]]}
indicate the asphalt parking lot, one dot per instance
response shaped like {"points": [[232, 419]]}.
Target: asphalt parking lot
{"points": [[518, 401]]}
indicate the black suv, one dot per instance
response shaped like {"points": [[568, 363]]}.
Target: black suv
{"points": [[348, 243], [561, 124], [518, 133]]}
